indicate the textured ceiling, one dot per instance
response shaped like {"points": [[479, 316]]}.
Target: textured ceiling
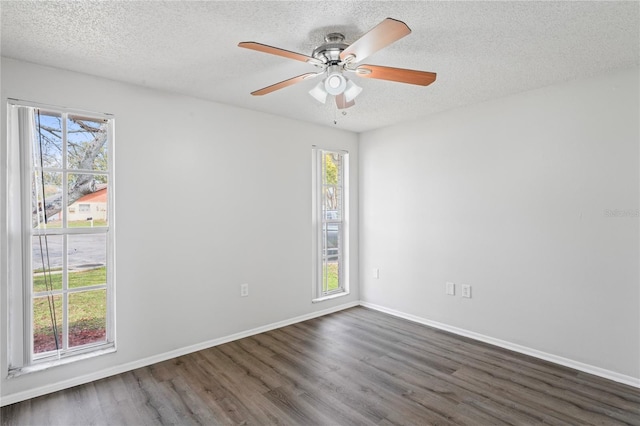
{"points": [[480, 50]]}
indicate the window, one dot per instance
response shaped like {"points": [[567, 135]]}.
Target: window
{"points": [[60, 264], [330, 223]]}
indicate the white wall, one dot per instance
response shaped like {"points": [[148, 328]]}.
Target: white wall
{"points": [[230, 192], [510, 196]]}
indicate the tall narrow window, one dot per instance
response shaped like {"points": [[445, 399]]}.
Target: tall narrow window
{"points": [[330, 222], [62, 298]]}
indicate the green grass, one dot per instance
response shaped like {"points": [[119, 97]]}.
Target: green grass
{"points": [[331, 277], [86, 223], [75, 224], [42, 317], [55, 269], [87, 309], [76, 279]]}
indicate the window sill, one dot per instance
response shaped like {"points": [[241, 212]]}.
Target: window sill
{"points": [[45, 365], [331, 296]]}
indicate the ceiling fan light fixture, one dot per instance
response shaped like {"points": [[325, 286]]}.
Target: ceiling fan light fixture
{"points": [[319, 93], [351, 91], [335, 83]]}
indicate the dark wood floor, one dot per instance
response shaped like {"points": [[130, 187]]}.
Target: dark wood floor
{"points": [[349, 368]]}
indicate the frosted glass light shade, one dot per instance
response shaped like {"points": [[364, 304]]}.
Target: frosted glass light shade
{"points": [[351, 91], [319, 93]]}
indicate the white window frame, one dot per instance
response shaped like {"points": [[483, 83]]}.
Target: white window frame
{"points": [[18, 232], [318, 219]]}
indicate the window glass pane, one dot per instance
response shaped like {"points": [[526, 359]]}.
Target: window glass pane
{"points": [[46, 312], [47, 141], [46, 198], [331, 186], [331, 240], [87, 198], [86, 277], [331, 163], [86, 143], [87, 260], [331, 259], [87, 317], [46, 262], [330, 276], [331, 205]]}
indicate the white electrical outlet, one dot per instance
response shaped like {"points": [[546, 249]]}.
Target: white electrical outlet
{"points": [[451, 289], [244, 290], [376, 273], [466, 291]]}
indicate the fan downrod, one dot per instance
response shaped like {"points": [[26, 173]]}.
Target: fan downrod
{"points": [[334, 38]]}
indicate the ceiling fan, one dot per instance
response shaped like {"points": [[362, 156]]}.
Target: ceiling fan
{"points": [[335, 57]]}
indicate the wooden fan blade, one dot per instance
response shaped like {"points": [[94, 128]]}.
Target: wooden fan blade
{"points": [[402, 75], [284, 84], [280, 52], [382, 35], [341, 102]]}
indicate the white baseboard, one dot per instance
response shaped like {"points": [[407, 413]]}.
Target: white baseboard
{"points": [[54, 387], [576, 365]]}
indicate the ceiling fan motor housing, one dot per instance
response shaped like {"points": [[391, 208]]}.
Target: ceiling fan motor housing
{"points": [[329, 52]]}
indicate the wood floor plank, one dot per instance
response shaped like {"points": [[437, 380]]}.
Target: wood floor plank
{"points": [[579, 415], [255, 368], [300, 410], [612, 405], [353, 367], [344, 394], [511, 405], [473, 397]]}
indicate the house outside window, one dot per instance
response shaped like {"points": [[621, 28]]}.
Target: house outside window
{"points": [[61, 266]]}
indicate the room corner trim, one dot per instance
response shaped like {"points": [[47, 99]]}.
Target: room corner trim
{"points": [[576, 365], [54, 387]]}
